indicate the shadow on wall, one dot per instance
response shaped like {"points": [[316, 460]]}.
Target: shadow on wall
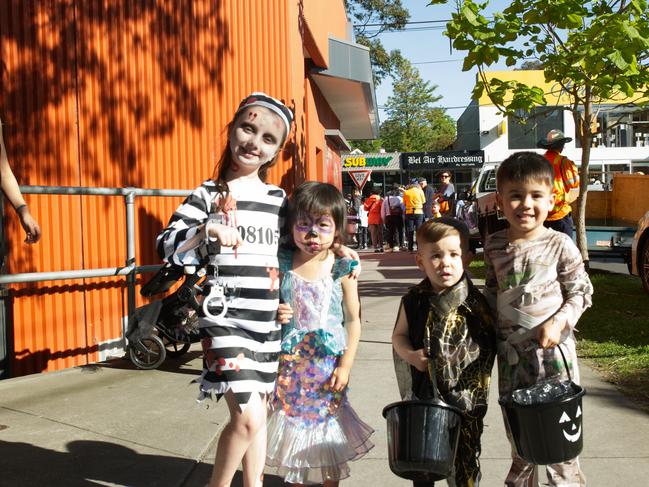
{"points": [[32, 360], [148, 227], [89, 89], [26, 361], [295, 149], [139, 67]]}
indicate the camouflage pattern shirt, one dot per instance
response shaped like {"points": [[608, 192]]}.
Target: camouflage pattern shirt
{"points": [[526, 284]]}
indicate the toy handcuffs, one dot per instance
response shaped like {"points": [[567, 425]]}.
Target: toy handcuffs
{"points": [[216, 297]]}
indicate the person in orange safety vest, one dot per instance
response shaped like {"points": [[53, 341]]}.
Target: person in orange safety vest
{"points": [[566, 182]]}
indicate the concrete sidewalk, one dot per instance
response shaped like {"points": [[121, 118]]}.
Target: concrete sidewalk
{"points": [[113, 425]]}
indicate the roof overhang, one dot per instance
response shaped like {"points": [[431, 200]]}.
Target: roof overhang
{"points": [[337, 139], [348, 87]]}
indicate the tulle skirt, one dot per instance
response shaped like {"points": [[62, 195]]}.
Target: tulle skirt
{"points": [[312, 431]]}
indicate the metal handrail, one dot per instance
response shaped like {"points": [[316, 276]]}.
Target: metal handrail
{"points": [[130, 270]]}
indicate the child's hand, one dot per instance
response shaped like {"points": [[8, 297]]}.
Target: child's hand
{"points": [[548, 334], [419, 360], [339, 379], [356, 270], [346, 252], [227, 236], [284, 313]]}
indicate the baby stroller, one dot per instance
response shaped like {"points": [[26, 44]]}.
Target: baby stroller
{"points": [[168, 326]]}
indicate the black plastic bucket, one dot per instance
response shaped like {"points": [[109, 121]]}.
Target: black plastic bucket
{"points": [[422, 438], [549, 432]]}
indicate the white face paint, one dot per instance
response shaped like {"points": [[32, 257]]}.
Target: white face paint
{"points": [[575, 431], [256, 137]]}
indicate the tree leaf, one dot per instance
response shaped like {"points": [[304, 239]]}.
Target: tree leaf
{"points": [[599, 47], [391, 15], [468, 14], [573, 20], [618, 59]]}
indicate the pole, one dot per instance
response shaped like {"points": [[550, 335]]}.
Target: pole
{"points": [[130, 249]]}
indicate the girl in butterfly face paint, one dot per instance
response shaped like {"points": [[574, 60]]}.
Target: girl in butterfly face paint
{"points": [[321, 317]]}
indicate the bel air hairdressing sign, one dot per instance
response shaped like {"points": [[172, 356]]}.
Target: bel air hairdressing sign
{"points": [[442, 160]]}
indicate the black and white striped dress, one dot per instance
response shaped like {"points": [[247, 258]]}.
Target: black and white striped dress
{"points": [[241, 349]]}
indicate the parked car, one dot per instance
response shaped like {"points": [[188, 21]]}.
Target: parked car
{"points": [[482, 194], [640, 252]]}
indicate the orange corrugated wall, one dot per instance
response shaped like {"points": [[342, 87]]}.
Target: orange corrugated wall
{"points": [[122, 93], [39, 107]]}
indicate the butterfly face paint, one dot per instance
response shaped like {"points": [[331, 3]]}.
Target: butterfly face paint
{"points": [[314, 233]]}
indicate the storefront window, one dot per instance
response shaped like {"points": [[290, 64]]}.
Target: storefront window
{"points": [[621, 129], [463, 179]]}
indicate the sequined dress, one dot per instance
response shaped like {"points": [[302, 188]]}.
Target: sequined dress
{"points": [[312, 431]]}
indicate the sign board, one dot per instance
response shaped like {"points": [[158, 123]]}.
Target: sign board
{"points": [[360, 177], [354, 161], [442, 160]]}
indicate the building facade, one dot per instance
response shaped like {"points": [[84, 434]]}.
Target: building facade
{"points": [[388, 168], [622, 145], [139, 94]]}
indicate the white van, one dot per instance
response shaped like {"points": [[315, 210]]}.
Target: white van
{"points": [[478, 209]]}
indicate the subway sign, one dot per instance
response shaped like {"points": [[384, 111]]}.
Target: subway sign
{"points": [[366, 161]]}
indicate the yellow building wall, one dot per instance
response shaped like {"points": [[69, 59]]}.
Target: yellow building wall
{"points": [[554, 93]]}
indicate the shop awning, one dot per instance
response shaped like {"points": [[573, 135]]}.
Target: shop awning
{"points": [[348, 87]]}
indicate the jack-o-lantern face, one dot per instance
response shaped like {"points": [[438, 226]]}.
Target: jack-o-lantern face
{"points": [[573, 424]]}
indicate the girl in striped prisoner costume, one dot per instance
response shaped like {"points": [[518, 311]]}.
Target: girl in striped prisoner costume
{"points": [[242, 215]]}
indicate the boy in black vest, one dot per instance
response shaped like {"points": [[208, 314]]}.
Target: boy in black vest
{"points": [[462, 338]]}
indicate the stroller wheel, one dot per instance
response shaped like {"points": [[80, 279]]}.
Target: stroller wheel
{"points": [[148, 354], [174, 348]]}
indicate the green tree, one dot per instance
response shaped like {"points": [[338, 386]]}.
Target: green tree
{"points": [[595, 50], [413, 123], [367, 146], [371, 18]]}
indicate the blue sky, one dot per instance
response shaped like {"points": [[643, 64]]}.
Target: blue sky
{"points": [[431, 47]]}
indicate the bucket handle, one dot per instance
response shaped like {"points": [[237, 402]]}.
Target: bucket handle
{"points": [[432, 376], [565, 363]]}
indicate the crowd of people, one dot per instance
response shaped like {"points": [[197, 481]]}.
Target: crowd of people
{"points": [[391, 221]]}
